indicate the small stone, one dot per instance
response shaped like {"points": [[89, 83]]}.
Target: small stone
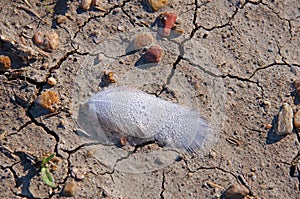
{"points": [[47, 41], [75, 173], [143, 40], [120, 28], [51, 81], [48, 100], [69, 189], [253, 178], [157, 4], [168, 21], [268, 126], [109, 77], [285, 120], [190, 174], [123, 140], [267, 103], [253, 169], [212, 154], [90, 154], [153, 54], [296, 83], [236, 191], [297, 119], [5, 63], [61, 19], [52, 41], [38, 38], [86, 4]]}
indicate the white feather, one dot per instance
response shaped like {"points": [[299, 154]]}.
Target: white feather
{"points": [[126, 111]]}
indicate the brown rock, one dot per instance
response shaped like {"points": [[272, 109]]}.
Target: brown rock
{"points": [[52, 41], [5, 63], [70, 189], [142, 40], [296, 83], [157, 4], [153, 54], [47, 41], [86, 4], [38, 38], [297, 119], [61, 19], [285, 120], [236, 191], [268, 126], [48, 100]]}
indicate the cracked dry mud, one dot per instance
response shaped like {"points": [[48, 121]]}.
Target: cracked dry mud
{"points": [[232, 57]]}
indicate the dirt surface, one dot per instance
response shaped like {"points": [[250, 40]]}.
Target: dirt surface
{"points": [[235, 62]]}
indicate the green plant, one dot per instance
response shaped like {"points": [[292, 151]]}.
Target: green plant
{"points": [[46, 175]]}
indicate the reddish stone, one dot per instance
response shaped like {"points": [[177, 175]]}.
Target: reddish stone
{"points": [[153, 54], [169, 20]]}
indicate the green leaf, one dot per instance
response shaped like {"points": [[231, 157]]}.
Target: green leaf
{"points": [[47, 159], [47, 177]]}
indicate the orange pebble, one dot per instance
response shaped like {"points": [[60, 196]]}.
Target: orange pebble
{"points": [[48, 100], [5, 63]]}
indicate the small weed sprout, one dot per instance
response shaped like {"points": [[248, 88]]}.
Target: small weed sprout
{"points": [[46, 175]]}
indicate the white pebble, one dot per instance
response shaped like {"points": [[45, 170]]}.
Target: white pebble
{"points": [[51, 81], [285, 120]]}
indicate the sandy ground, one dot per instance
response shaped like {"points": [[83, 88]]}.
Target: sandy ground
{"points": [[233, 61]]}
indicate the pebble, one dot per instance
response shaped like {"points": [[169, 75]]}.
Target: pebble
{"points": [[5, 63], [109, 77], [157, 4], [123, 140], [38, 38], [285, 120], [153, 54], [296, 83], [52, 41], [47, 41], [48, 100], [236, 191], [120, 28], [75, 173], [90, 154], [86, 4], [142, 40], [268, 126], [297, 119], [168, 19], [267, 103], [61, 19], [51, 81], [69, 189]]}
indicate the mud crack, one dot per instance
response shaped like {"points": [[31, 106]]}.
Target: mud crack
{"points": [[163, 185]]}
